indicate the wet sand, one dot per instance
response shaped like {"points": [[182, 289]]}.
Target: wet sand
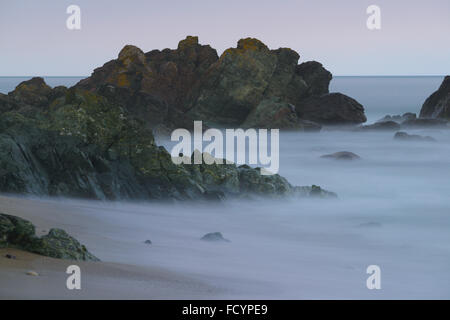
{"points": [[99, 280]]}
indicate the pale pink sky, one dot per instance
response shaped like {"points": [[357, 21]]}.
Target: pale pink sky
{"points": [[413, 40]]}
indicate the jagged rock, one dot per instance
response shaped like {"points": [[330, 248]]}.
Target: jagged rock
{"points": [[84, 145], [214, 237], [34, 92], [153, 86], [316, 76], [425, 123], [331, 109], [342, 155], [20, 233], [438, 104], [382, 125], [274, 113], [234, 85], [412, 137], [171, 88]]}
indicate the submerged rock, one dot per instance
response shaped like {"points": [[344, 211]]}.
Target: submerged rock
{"points": [[384, 125], [20, 233], [401, 135], [437, 105], [214, 237], [342, 155]]}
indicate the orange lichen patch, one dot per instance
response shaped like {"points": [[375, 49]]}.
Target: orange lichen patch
{"points": [[251, 44], [188, 42], [122, 80], [244, 46], [131, 54]]}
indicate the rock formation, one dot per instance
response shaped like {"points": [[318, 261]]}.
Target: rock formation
{"points": [[82, 144], [20, 233], [438, 104], [171, 88]]}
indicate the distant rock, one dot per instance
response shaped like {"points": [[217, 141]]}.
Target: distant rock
{"points": [[331, 109], [398, 118], [379, 126], [401, 135], [32, 273], [342, 155], [10, 256], [214, 237], [147, 242], [437, 105], [19, 233]]}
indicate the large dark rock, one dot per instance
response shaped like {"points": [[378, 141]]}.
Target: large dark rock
{"points": [[171, 88], [20, 233], [331, 109], [438, 104], [84, 145], [153, 86]]}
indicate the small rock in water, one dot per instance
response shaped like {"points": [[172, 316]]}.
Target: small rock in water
{"points": [[214, 237], [147, 242], [342, 155], [10, 256], [32, 273]]}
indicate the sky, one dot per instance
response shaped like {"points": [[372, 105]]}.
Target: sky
{"points": [[413, 39]]}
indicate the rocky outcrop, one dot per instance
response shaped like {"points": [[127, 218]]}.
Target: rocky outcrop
{"points": [[438, 104], [331, 109], [153, 86], [171, 88], [83, 145], [20, 233]]}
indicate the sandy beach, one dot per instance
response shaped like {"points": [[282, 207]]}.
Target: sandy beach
{"points": [[100, 280]]}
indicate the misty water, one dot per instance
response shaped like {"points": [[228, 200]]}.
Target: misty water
{"points": [[392, 210]]}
